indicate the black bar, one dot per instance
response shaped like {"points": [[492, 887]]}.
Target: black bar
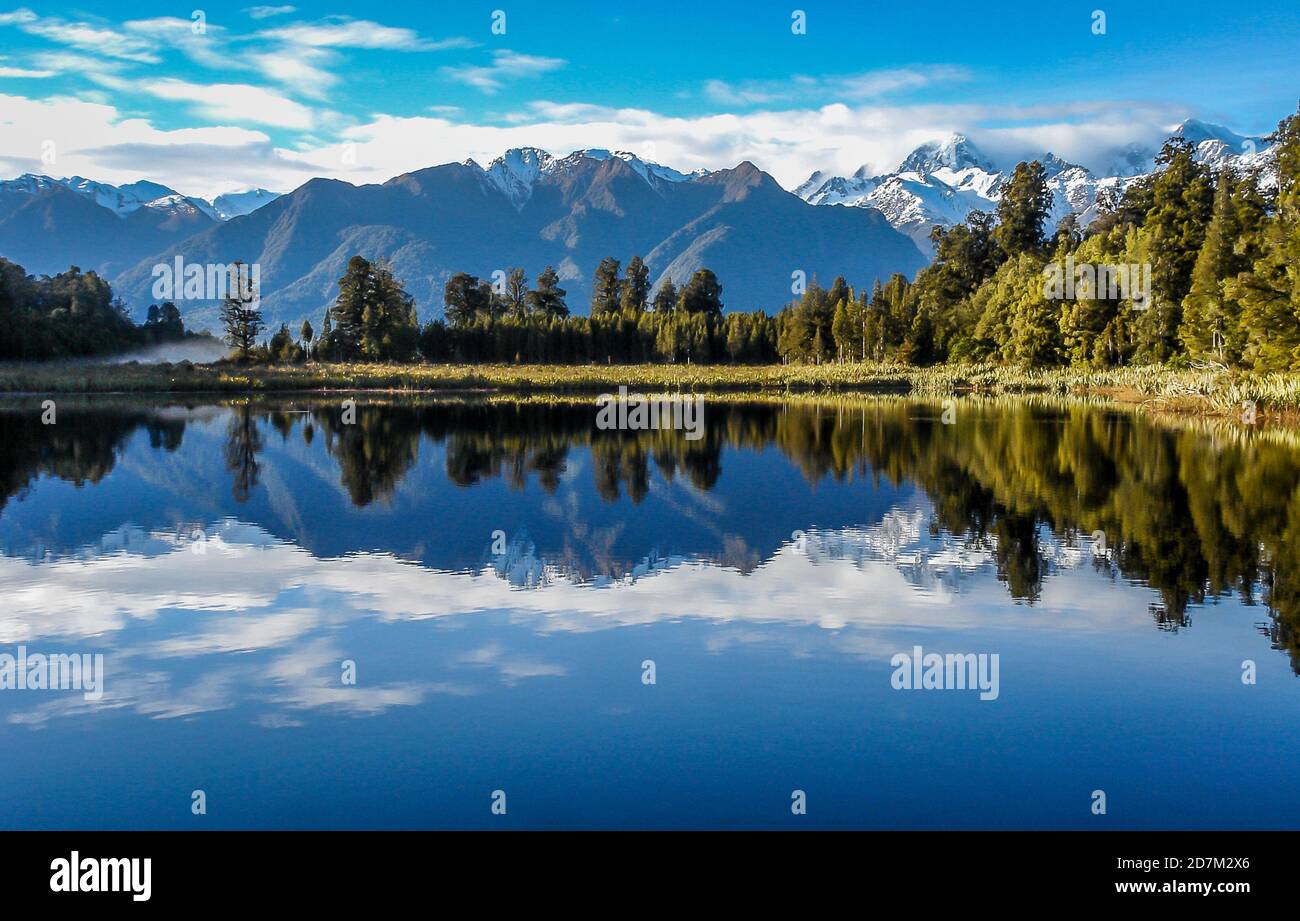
{"points": [[236, 869]]}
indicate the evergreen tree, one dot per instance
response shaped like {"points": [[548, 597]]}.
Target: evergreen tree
{"points": [[548, 297], [1211, 321], [1269, 293], [665, 301], [1022, 210], [1182, 200], [465, 298], [702, 295], [242, 320], [605, 287], [373, 317], [636, 286], [516, 293]]}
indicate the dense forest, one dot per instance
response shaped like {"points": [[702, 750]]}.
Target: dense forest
{"points": [[73, 314]]}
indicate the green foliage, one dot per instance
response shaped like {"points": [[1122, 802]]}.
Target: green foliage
{"points": [[73, 314], [606, 289], [1022, 211], [665, 300], [702, 295], [547, 298], [241, 318], [374, 318]]}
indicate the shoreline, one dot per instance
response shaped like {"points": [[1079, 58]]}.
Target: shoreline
{"points": [[1186, 392]]}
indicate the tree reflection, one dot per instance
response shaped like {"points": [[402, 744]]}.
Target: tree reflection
{"points": [[1194, 512], [243, 442]]}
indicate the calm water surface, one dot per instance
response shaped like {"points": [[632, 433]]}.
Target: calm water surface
{"points": [[498, 573]]}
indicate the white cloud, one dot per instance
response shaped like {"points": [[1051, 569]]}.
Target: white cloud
{"points": [[788, 143], [6, 71], [207, 48], [83, 36], [506, 65], [300, 68], [236, 102], [64, 62], [339, 32], [851, 87], [96, 140], [266, 12]]}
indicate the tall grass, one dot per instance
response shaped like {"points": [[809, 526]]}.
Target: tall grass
{"points": [[1205, 390]]}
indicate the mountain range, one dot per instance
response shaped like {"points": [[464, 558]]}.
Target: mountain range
{"points": [[532, 210], [527, 208], [941, 182]]}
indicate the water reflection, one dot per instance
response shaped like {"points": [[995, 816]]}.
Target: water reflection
{"points": [[228, 556], [1191, 511]]}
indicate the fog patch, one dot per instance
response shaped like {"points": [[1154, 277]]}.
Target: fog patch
{"points": [[197, 351]]}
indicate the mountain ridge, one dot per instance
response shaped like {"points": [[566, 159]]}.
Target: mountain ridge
{"points": [[532, 209]]}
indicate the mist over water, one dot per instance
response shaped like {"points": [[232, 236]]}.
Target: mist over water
{"points": [[196, 351]]}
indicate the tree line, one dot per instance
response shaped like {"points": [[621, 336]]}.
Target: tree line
{"points": [[73, 314], [1220, 249], [374, 319]]}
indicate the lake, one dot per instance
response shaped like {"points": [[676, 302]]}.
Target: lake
{"points": [[456, 613]]}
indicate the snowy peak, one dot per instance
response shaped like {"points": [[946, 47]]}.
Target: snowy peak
{"points": [[237, 204], [127, 199], [955, 153], [812, 185], [1054, 166], [1217, 146], [517, 171], [1130, 161], [122, 200], [1196, 132], [646, 169], [942, 181]]}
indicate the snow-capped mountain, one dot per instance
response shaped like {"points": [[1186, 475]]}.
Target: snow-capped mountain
{"points": [[942, 181], [237, 204], [121, 200], [127, 199], [938, 183], [518, 170]]}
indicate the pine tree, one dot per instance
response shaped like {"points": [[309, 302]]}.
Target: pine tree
{"points": [[548, 297], [516, 293], [465, 299], [843, 331], [605, 287], [636, 286], [1210, 320], [665, 301], [1182, 200], [1270, 292], [1023, 209], [702, 295], [242, 320]]}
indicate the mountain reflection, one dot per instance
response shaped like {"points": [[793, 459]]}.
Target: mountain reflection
{"points": [[1023, 487]]}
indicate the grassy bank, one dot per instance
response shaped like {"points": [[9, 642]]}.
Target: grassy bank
{"points": [[1192, 391]]}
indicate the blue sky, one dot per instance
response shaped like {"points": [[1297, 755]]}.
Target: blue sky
{"points": [[273, 95]]}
